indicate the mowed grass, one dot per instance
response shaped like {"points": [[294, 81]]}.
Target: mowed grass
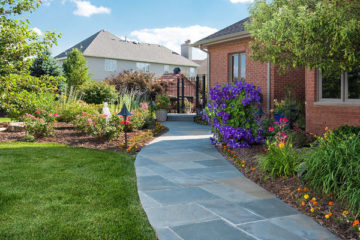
{"points": [[51, 191]]}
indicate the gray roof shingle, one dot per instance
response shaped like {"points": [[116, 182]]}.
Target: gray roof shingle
{"points": [[234, 28], [106, 45]]}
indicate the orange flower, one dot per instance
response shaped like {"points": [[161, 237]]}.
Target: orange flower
{"points": [[306, 189], [303, 203], [313, 199], [228, 150], [253, 169], [331, 203], [299, 189], [330, 214], [356, 222], [315, 203], [243, 162]]}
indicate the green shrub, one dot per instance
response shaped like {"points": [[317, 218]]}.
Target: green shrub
{"points": [[75, 68], [142, 117], [20, 94], [162, 102], [98, 126], [333, 167], [280, 158], [41, 124], [131, 99], [347, 130], [98, 93]]}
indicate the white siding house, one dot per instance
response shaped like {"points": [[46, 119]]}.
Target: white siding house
{"points": [[108, 55]]}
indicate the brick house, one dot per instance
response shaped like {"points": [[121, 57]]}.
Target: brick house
{"points": [[228, 53]]}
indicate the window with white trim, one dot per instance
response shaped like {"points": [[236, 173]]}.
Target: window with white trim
{"points": [[145, 67], [192, 72], [166, 68], [237, 66], [339, 86], [110, 65]]}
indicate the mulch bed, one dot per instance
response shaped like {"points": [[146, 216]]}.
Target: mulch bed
{"points": [[66, 133], [287, 189]]}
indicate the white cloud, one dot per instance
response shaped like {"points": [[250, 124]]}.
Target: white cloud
{"points": [[173, 37], [241, 1], [86, 9], [37, 30]]}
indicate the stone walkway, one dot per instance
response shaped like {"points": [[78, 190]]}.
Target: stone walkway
{"points": [[190, 192]]}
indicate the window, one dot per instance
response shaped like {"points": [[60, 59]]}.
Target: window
{"points": [[192, 72], [166, 68], [143, 66], [338, 86], [237, 66], [110, 65]]}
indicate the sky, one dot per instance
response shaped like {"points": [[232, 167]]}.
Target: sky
{"points": [[165, 22]]}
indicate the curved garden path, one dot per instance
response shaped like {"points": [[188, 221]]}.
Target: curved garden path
{"points": [[190, 192]]}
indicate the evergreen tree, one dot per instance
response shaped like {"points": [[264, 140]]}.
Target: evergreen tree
{"points": [[45, 64], [75, 68]]}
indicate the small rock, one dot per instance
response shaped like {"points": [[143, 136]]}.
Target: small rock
{"points": [[3, 129], [16, 127]]}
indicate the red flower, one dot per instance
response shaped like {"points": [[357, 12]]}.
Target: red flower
{"points": [[284, 135], [284, 120], [38, 111], [271, 129]]}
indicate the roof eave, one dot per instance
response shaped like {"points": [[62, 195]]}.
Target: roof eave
{"points": [[222, 39]]}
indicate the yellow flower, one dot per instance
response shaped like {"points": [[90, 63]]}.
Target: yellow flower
{"points": [[345, 213], [312, 210], [327, 216], [306, 196], [326, 129], [243, 165], [281, 145], [313, 199]]}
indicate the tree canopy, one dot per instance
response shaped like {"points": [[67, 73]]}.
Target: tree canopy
{"points": [[318, 34], [45, 64], [18, 42], [75, 68]]}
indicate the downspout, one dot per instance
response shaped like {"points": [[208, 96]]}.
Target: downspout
{"points": [[268, 107], [208, 67]]}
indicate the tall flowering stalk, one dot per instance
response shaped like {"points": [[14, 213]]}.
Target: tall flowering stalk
{"points": [[231, 114]]}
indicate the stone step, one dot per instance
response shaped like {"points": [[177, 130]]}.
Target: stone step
{"points": [[187, 117]]}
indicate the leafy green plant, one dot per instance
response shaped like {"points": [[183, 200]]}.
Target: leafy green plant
{"points": [[40, 124], [131, 99], [98, 92], [99, 126], [347, 130], [20, 94], [45, 64], [142, 117], [162, 102], [280, 158], [75, 68], [333, 167]]}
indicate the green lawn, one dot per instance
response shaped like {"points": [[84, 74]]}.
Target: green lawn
{"points": [[51, 191], [5, 120]]}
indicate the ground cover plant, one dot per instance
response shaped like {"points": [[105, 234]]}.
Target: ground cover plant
{"points": [[231, 114], [51, 191]]}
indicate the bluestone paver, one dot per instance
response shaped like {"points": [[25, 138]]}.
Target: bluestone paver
{"points": [[189, 191]]}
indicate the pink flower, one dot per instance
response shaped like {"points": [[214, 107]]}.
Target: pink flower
{"points": [[284, 120], [271, 129], [89, 120], [56, 115], [284, 135], [105, 115], [38, 111]]}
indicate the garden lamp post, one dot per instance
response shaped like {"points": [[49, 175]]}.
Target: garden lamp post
{"points": [[259, 113], [125, 113], [152, 106]]}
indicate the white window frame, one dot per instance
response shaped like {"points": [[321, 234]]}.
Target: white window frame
{"points": [[145, 67], [166, 68], [344, 98], [192, 72], [110, 65], [231, 72]]}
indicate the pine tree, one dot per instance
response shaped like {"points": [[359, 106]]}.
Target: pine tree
{"points": [[45, 64]]}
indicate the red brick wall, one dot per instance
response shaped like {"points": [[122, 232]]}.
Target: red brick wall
{"points": [[319, 116], [256, 72]]}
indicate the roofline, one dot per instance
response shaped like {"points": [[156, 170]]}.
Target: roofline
{"points": [[222, 39], [143, 61]]}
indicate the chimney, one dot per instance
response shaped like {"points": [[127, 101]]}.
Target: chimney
{"points": [[186, 50]]}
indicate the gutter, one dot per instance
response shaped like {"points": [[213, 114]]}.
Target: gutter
{"points": [[222, 39]]}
